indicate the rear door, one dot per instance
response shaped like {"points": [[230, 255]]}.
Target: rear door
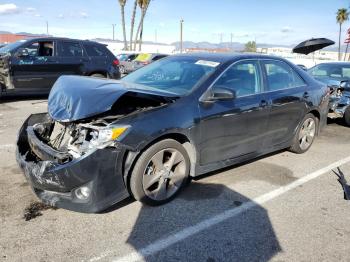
{"points": [[38, 69], [71, 58], [287, 95], [100, 58]]}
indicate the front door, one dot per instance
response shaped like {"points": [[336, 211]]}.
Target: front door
{"points": [[37, 69], [237, 127]]}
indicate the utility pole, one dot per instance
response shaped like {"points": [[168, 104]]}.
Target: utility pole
{"points": [[155, 36], [181, 34], [221, 37], [113, 25], [47, 28], [231, 42]]}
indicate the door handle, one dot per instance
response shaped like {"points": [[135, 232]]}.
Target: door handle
{"points": [[306, 95]]}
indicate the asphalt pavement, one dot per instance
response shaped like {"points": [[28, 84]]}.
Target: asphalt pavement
{"points": [[281, 207]]}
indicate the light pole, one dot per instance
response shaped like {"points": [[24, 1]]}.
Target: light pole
{"points": [[181, 36], [47, 28], [113, 25]]}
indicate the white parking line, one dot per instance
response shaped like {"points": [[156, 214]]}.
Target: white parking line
{"points": [[7, 146], [164, 243]]}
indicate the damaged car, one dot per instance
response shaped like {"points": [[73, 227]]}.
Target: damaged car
{"points": [[33, 65], [144, 136], [337, 76]]}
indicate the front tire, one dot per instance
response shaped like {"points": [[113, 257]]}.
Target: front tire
{"points": [[160, 173], [305, 134]]}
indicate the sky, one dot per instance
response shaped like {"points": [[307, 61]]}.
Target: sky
{"points": [[266, 21]]}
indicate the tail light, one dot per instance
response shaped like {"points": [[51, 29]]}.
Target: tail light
{"points": [[145, 63], [116, 62]]}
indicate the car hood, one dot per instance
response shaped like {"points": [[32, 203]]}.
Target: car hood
{"points": [[75, 98]]}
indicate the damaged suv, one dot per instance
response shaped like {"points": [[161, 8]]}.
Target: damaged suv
{"points": [[337, 76], [104, 140], [33, 66]]}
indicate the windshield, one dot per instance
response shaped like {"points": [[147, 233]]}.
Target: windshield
{"points": [[178, 75], [12, 46], [331, 71], [122, 57]]}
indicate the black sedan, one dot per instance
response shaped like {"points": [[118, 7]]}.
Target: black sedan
{"points": [[104, 140]]}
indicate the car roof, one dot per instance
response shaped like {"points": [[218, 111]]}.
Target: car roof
{"points": [[335, 63], [63, 39], [226, 57]]}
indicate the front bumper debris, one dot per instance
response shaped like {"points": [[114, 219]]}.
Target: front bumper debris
{"points": [[54, 177]]}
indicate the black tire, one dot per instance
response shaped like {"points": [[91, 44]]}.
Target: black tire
{"points": [[347, 116], [98, 76], [297, 147], [143, 164]]}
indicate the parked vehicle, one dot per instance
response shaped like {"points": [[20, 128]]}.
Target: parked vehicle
{"points": [[34, 65], [126, 65], [302, 67], [337, 76], [179, 117], [145, 59]]}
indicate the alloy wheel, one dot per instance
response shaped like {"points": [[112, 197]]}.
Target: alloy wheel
{"points": [[307, 133], [164, 174]]}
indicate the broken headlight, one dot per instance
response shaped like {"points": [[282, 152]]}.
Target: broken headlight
{"points": [[105, 136]]}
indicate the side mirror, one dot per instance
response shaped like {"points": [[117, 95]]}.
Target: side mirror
{"points": [[22, 52], [345, 85], [219, 93]]}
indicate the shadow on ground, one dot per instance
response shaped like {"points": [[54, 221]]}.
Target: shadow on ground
{"points": [[5, 98], [248, 236]]}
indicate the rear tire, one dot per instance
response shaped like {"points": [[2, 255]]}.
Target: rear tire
{"points": [[160, 173], [347, 116], [98, 76], [305, 135], [122, 69]]}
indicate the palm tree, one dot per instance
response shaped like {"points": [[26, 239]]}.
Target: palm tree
{"points": [[122, 10], [132, 25], [342, 16], [143, 4]]}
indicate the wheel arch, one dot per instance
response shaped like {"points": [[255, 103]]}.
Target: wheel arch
{"points": [[104, 73], [131, 156], [316, 114]]}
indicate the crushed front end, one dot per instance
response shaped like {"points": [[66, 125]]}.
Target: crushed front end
{"points": [[339, 102], [68, 167]]}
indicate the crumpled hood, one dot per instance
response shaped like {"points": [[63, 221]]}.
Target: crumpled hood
{"points": [[74, 98]]}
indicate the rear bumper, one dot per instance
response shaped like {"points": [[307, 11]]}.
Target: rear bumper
{"points": [[55, 183]]}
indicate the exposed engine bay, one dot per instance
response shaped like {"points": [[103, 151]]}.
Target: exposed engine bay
{"points": [[80, 137]]}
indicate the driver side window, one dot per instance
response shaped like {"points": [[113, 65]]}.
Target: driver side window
{"points": [[39, 49], [242, 77]]}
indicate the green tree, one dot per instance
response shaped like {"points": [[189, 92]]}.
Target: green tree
{"points": [[132, 25], [122, 10], [342, 16], [143, 4], [250, 47]]}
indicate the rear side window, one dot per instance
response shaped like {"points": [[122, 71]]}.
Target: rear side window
{"points": [[281, 76], [70, 49], [95, 50]]}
